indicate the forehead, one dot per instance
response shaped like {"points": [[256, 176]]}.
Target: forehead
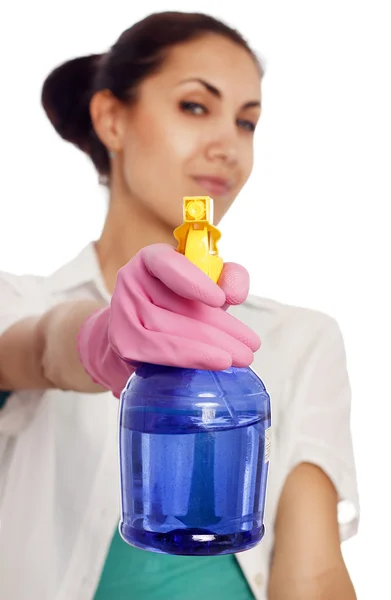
{"points": [[223, 62]]}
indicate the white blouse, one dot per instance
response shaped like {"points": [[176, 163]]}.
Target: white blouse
{"points": [[59, 480]]}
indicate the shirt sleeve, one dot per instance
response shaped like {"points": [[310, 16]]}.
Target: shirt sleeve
{"points": [[16, 303], [321, 421]]}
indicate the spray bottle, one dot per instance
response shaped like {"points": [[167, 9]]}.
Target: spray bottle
{"points": [[194, 444]]}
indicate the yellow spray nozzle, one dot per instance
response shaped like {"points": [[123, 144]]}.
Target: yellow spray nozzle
{"points": [[197, 237]]}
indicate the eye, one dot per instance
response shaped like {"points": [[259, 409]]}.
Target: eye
{"points": [[194, 108], [247, 125]]}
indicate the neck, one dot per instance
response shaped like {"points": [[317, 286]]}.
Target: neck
{"points": [[128, 228]]}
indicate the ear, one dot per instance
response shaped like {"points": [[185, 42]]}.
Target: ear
{"points": [[108, 119]]}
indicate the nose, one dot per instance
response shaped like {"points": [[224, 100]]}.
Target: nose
{"points": [[223, 147]]}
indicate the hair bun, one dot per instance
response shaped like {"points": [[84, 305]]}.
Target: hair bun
{"points": [[66, 95]]}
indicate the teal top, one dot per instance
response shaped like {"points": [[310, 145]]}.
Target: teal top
{"points": [[3, 398], [133, 574]]}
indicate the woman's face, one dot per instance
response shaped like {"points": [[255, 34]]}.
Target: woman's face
{"points": [[191, 131]]}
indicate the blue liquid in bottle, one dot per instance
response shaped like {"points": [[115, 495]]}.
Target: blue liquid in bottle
{"points": [[194, 460]]}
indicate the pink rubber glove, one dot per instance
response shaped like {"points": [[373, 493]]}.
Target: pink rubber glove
{"points": [[166, 311]]}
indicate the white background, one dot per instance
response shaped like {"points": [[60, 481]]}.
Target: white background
{"points": [[312, 225]]}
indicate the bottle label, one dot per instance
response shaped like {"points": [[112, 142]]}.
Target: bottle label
{"points": [[268, 443]]}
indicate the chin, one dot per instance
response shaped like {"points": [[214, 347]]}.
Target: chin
{"points": [[222, 208], [175, 217]]}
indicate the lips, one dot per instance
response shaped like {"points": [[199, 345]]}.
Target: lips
{"points": [[216, 186]]}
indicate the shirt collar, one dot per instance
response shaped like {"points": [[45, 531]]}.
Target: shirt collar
{"points": [[82, 270]]}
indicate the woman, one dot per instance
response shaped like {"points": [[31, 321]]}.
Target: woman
{"points": [[169, 111]]}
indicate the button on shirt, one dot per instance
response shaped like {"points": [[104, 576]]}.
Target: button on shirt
{"points": [[59, 490]]}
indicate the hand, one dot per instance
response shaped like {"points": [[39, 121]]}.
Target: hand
{"points": [[166, 311]]}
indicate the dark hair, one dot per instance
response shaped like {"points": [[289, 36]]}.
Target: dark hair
{"points": [[139, 52]]}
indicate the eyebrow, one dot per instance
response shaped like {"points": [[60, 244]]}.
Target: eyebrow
{"points": [[213, 90]]}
